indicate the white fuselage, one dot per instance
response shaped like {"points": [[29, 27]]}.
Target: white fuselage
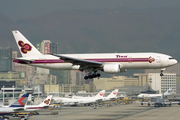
{"points": [[71, 101], [149, 95], [126, 60], [31, 108], [8, 110]]}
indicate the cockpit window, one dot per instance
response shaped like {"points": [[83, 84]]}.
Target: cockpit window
{"points": [[171, 58]]}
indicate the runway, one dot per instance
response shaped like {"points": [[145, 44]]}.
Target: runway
{"points": [[121, 112]]}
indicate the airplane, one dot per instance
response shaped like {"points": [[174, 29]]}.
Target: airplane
{"points": [[91, 63], [71, 101], [35, 108], [161, 102], [17, 106], [168, 92], [76, 100]]}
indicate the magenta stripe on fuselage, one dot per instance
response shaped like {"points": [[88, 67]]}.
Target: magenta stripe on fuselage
{"points": [[97, 60], [35, 108]]}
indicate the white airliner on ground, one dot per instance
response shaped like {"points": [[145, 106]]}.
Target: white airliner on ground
{"points": [[168, 92], [99, 95], [106, 62], [111, 96], [43, 105], [80, 100]]}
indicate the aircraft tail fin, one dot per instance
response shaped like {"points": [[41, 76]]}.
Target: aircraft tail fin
{"points": [[47, 101], [113, 93], [168, 92], [25, 47], [100, 94], [21, 101]]}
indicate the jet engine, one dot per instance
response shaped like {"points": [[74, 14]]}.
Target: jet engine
{"points": [[111, 68]]}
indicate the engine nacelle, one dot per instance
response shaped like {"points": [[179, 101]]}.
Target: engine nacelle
{"points": [[111, 68]]}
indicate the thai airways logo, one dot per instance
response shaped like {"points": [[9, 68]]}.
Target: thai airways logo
{"points": [[151, 59], [25, 47], [114, 92], [47, 101], [101, 93]]}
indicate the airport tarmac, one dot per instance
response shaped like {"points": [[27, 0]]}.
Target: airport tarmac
{"points": [[133, 111]]}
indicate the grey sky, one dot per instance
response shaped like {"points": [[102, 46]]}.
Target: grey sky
{"points": [[18, 9]]}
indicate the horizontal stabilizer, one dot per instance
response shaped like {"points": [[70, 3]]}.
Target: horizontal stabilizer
{"points": [[23, 61]]}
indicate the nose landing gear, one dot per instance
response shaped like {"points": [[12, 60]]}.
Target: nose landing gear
{"points": [[161, 74]]}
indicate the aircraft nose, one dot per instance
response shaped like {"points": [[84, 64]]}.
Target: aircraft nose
{"points": [[174, 61]]}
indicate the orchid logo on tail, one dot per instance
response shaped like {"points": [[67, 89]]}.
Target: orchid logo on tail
{"points": [[25, 47], [47, 101]]}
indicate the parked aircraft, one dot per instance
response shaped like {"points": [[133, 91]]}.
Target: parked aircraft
{"points": [[111, 96], [99, 95], [161, 102], [91, 63], [43, 105], [76, 100], [17, 106], [168, 92]]}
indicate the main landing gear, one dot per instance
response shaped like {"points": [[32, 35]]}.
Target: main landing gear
{"points": [[91, 76]]}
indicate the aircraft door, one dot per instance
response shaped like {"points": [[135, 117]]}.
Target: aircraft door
{"points": [[130, 59], [158, 59]]}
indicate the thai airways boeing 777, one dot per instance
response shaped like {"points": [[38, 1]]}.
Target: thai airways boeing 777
{"points": [[106, 62]]}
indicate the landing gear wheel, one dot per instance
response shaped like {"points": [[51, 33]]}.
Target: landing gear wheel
{"points": [[98, 75], [86, 77], [161, 74], [91, 76]]}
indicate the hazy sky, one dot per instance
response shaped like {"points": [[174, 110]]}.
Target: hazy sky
{"points": [[18, 9]]}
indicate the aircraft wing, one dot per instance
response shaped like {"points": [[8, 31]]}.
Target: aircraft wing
{"points": [[18, 109], [175, 102], [112, 98], [76, 61], [99, 100]]}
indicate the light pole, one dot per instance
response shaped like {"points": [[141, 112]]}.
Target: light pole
{"points": [[3, 95], [150, 81], [13, 91]]}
